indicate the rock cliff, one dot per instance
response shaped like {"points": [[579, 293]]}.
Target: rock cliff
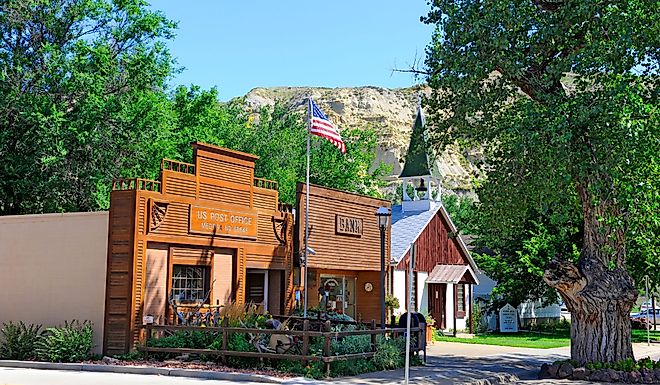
{"points": [[391, 112]]}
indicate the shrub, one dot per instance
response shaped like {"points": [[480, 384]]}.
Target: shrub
{"points": [[477, 323], [391, 302], [19, 341], [646, 363], [240, 342], [388, 353], [69, 343]]}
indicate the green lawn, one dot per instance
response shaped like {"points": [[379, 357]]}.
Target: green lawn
{"points": [[546, 340], [640, 335]]}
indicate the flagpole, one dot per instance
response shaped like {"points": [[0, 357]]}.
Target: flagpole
{"points": [[309, 127]]}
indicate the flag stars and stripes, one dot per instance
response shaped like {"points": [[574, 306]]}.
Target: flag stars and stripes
{"points": [[321, 126]]}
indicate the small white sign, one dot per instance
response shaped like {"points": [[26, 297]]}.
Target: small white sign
{"points": [[508, 319]]}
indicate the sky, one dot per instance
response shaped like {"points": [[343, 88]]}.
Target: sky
{"points": [[242, 44]]}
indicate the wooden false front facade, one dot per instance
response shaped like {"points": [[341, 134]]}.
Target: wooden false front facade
{"points": [[206, 231], [344, 270]]}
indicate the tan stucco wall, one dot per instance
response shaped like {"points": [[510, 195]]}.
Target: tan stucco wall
{"points": [[52, 269]]}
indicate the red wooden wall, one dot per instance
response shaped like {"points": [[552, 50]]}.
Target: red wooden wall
{"points": [[434, 246]]}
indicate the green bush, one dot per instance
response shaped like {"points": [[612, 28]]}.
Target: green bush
{"points": [[69, 343], [19, 340], [240, 342], [389, 353], [627, 365], [391, 302]]}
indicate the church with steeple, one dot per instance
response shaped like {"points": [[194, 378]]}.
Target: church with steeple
{"points": [[444, 273]]}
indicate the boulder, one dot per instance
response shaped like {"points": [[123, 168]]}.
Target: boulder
{"points": [[544, 372], [634, 377], [604, 375], [580, 374], [109, 360], [656, 374], [552, 370], [565, 370], [614, 375], [648, 376]]}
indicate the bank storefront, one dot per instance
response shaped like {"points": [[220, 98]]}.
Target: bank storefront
{"points": [[344, 270]]}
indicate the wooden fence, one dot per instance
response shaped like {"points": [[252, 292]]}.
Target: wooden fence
{"points": [[296, 336]]}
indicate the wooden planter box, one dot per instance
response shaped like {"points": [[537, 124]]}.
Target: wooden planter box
{"points": [[429, 334]]}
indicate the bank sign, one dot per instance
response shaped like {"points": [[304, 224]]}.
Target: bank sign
{"points": [[210, 221], [348, 225]]}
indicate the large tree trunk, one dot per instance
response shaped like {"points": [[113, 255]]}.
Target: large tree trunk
{"points": [[598, 291]]}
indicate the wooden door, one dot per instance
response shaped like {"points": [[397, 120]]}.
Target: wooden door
{"points": [[437, 293]]}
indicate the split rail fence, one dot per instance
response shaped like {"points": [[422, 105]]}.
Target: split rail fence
{"points": [[297, 336]]}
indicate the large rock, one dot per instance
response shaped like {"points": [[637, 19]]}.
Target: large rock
{"points": [[605, 375], [544, 373], [648, 376], [634, 377], [565, 370], [390, 112], [580, 374]]}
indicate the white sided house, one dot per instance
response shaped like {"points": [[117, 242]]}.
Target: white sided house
{"points": [[444, 271]]}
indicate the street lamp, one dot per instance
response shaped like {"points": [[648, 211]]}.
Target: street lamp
{"points": [[383, 214]]}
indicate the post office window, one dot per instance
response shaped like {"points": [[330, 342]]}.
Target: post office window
{"points": [[190, 284]]}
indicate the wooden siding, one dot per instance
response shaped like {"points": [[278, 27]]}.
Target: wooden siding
{"points": [[368, 303], [223, 194], [339, 251], [117, 319], [224, 170], [188, 255], [143, 212], [265, 199], [178, 183], [434, 246]]}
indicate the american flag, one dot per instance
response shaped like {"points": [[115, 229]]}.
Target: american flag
{"points": [[323, 127]]}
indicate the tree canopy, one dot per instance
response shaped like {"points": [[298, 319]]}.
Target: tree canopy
{"points": [[81, 89], [84, 99], [563, 95]]}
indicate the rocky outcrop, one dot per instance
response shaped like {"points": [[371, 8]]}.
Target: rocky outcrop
{"points": [[391, 112]]}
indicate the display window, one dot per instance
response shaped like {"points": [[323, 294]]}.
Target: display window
{"points": [[337, 294]]}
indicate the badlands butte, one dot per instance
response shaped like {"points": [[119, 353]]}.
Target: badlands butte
{"points": [[391, 112]]}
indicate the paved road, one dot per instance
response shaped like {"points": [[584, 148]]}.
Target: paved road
{"points": [[448, 364]]}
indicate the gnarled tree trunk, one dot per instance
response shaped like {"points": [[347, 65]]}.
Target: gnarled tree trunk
{"points": [[598, 291]]}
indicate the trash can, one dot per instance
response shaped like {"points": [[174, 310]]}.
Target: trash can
{"points": [[417, 320]]}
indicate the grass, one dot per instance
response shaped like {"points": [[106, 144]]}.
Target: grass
{"points": [[640, 335], [546, 340]]}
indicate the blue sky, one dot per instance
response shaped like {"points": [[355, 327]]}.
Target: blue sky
{"points": [[238, 45]]}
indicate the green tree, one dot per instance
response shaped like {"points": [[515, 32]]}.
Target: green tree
{"points": [[81, 91], [563, 94]]}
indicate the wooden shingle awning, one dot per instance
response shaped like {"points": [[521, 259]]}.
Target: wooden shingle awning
{"points": [[452, 274]]}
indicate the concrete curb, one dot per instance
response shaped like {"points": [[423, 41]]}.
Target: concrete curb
{"points": [[145, 370]]}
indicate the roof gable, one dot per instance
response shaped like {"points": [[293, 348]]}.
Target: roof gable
{"points": [[408, 226]]}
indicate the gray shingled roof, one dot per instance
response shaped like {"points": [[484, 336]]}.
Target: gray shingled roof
{"points": [[406, 227]]}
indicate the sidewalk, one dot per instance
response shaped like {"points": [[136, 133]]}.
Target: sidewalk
{"points": [[454, 363]]}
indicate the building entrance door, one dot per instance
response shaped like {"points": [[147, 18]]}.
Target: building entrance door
{"points": [[338, 294], [437, 300], [256, 287]]}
